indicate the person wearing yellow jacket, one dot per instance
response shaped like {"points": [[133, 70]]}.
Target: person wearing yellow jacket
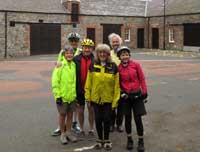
{"points": [[115, 42], [64, 91], [102, 91], [73, 40], [117, 116]]}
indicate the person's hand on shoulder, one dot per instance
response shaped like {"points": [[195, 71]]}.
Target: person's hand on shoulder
{"points": [[58, 64]]}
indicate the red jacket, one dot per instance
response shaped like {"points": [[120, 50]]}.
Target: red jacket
{"points": [[85, 63], [132, 77]]}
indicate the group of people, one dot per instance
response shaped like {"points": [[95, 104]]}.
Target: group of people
{"points": [[108, 82]]}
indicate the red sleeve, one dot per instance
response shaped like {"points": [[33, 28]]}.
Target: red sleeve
{"points": [[141, 78]]}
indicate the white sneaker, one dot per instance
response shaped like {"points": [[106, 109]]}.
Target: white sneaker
{"points": [[56, 132], [63, 138], [75, 127], [71, 137]]}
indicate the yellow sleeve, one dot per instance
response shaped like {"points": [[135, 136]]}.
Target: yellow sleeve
{"points": [[88, 86], [117, 91], [60, 56], [115, 58], [56, 83]]}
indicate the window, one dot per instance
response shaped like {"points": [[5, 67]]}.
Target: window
{"points": [[75, 12], [171, 35], [91, 34], [127, 35]]}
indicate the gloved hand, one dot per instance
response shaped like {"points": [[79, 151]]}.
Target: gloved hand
{"points": [[59, 101], [124, 95], [144, 98]]}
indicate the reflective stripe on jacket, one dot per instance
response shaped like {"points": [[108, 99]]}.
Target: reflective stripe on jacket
{"points": [[102, 84], [64, 82]]}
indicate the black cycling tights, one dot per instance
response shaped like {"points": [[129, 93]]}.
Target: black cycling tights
{"points": [[138, 122], [103, 120]]}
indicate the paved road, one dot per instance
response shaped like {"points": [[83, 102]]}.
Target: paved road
{"points": [[28, 113]]}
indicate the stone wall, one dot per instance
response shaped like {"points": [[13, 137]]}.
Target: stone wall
{"points": [[127, 22], [18, 36], [174, 22], [18, 41], [2, 34], [156, 22]]}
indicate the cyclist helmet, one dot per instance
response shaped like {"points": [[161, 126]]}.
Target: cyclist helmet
{"points": [[121, 49], [73, 37], [87, 42]]}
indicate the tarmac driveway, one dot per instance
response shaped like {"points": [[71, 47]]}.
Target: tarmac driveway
{"points": [[28, 113]]}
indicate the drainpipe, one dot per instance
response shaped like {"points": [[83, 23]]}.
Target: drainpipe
{"points": [[164, 20], [148, 20], [6, 29]]}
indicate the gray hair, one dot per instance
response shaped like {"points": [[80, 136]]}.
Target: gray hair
{"points": [[102, 47], [67, 48], [110, 37]]}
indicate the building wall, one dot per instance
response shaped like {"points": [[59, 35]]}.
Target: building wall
{"points": [[156, 22], [127, 22], [18, 37], [2, 34], [175, 22]]}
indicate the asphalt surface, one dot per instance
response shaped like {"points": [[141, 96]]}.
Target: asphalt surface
{"points": [[28, 113]]}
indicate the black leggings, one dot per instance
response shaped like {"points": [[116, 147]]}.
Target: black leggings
{"points": [[117, 115], [103, 120], [138, 122]]}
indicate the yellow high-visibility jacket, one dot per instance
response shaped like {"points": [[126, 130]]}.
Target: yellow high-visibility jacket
{"points": [[114, 57], [102, 84], [64, 82]]}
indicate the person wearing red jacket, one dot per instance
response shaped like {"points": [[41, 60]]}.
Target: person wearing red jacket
{"points": [[133, 95]]}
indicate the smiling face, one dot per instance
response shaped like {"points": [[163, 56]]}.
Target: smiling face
{"points": [[115, 42], [87, 50], [68, 55], [103, 55], [74, 43], [124, 56]]}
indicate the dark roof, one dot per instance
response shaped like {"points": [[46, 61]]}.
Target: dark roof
{"points": [[106, 7], [49, 6], [155, 7], [113, 7], [91, 7]]}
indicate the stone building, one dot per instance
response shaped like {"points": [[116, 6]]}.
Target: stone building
{"points": [[182, 24], [30, 27]]}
